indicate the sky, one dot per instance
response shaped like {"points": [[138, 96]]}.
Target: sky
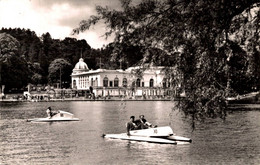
{"points": [[58, 17]]}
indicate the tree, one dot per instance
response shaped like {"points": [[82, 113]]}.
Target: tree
{"points": [[29, 42], [8, 48], [40, 52], [15, 73], [197, 35], [44, 63], [60, 71], [35, 73], [68, 47], [36, 78]]}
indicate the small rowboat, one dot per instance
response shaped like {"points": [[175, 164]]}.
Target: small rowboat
{"points": [[60, 116], [162, 135]]}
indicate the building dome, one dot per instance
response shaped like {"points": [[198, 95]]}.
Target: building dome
{"points": [[81, 66]]}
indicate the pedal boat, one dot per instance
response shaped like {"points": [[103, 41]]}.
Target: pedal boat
{"points": [[60, 116], [162, 135]]}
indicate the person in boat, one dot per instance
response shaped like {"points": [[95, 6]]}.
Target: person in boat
{"points": [[142, 123], [50, 113], [131, 125]]}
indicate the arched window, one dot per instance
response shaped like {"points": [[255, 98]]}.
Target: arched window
{"points": [[124, 82], [138, 82], [105, 82], [151, 82], [116, 82]]}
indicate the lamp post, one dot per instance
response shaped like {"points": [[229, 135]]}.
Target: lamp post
{"points": [[228, 70], [60, 84], [60, 77]]}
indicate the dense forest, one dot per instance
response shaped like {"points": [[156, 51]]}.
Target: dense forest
{"points": [[27, 58]]}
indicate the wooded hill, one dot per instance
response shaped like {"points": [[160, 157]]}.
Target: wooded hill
{"points": [[30, 61]]}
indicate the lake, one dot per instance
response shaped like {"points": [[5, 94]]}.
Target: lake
{"points": [[233, 141]]}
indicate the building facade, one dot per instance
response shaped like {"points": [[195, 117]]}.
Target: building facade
{"points": [[120, 83]]}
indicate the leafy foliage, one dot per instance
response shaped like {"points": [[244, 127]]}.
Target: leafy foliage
{"points": [[39, 52], [15, 73], [203, 41], [8, 46], [57, 71]]}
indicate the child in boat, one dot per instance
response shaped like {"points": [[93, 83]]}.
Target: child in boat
{"points": [[131, 125]]}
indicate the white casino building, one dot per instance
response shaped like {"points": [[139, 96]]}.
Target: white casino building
{"points": [[124, 83]]}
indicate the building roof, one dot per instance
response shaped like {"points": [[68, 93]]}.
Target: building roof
{"points": [[98, 71], [81, 66]]}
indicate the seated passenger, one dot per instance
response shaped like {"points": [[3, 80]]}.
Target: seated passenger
{"points": [[142, 123], [50, 113], [131, 125]]}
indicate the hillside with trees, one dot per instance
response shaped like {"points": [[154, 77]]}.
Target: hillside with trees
{"points": [[28, 58]]}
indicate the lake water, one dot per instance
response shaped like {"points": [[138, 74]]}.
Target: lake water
{"points": [[234, 141]]}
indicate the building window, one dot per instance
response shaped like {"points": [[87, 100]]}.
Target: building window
{"points": [[116, 81], [74, 84], [92, 82], [133, 84], [110, 83], [87, 81], [138, 82], [96, 82], [124, 82], [142, 84], [105, 82], [151, 82], [80, 82], [164, 83]]}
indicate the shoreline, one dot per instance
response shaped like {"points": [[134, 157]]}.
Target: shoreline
{"points": [[82, 99], [90, 99]]}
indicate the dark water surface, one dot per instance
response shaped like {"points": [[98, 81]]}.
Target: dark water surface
{"points": [[235, 141]]}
